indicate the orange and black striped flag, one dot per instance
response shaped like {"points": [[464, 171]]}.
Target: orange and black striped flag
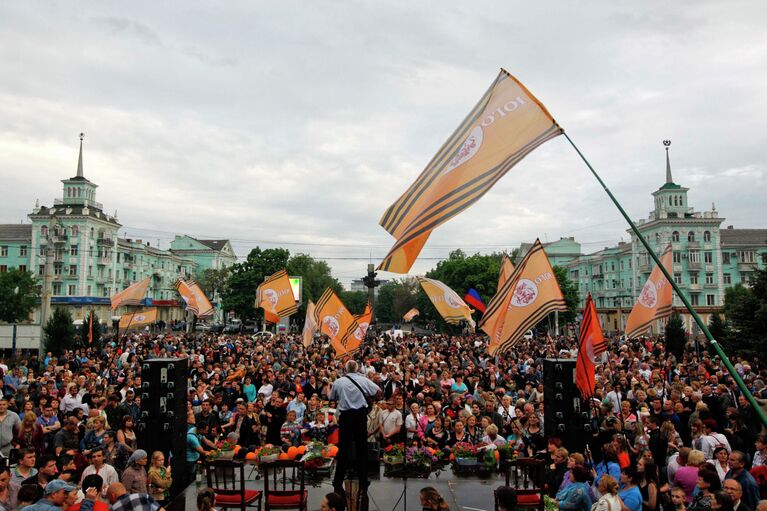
{"points": [[195, 298], [529, 295], [131, 295], [654, 302], [275, 296], [590, 344], [363, 322], [506, 124], [334, 320], [447, 302], [507, 268]]}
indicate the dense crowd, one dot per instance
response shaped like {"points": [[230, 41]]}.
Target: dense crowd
{"points": [[667, 433]]}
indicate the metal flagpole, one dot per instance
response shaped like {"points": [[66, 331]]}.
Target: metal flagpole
{"points": [[685, 301]]}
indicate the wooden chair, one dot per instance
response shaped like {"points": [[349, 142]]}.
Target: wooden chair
{"points": [[227, 480], [527, 477], [284, 485]]}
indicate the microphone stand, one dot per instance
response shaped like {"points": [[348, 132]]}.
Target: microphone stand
{"points": [[403, 495]]}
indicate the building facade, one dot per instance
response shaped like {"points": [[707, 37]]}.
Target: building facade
{"points": [[75, 243]]}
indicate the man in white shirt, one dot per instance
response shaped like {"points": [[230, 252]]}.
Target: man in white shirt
{"points": [[391, 423], [98, 467], [72, 400]]}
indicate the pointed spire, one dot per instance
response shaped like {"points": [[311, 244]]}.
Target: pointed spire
{"points": [[669, 179], [80, 159]]}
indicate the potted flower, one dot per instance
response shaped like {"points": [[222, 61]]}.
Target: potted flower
{"points": [[394, 454], [225, 450], [465, 453], [269, 453]]}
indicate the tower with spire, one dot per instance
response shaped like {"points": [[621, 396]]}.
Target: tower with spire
{"points": [[671, 198], [78, 191]]}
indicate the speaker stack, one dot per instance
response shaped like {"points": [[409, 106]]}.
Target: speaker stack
{"points": [[565, 414], [162, 426]]}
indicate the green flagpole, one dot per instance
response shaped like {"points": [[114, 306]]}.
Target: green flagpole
{"points": [[696, 317]]}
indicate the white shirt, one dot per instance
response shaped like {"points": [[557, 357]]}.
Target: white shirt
{"points": [[107, 473], [391, 422]]}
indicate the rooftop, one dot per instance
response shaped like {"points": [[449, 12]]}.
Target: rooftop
{"points": [[732, 236], [15, 232]]}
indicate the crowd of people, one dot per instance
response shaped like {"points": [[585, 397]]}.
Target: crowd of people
{"points": [[667, 433]]}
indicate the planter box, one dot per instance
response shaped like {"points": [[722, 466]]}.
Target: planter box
{"points": [[393, 460]]}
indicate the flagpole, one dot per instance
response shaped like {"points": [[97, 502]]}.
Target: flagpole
{"points": [[730, 369]]}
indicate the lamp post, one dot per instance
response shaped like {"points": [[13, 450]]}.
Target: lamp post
{"points": [[13, 341], [371, 283]]}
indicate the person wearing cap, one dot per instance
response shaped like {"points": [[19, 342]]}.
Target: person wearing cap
{"points": [[54, 496], [134, 477]]}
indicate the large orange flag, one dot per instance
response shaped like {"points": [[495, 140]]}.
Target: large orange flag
{"points": [[409, 315], [590, 343], [275, 296], [363, 322], [310, 325], [450, 306], [141, 318], [195, 298], [529, 295], [654, 300], [506, 124], [507, 268], [131, 295], [335, 321]]}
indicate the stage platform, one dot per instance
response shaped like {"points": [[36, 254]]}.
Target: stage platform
{"points": [[461, 492]]}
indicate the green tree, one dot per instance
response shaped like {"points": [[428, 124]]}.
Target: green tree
{"points": [[717, 327], [213, 282], [570, 292], [19, 295], [59, 332], [355, 301], [745, 308], [85, 328], [676, 337], [395, 298]]}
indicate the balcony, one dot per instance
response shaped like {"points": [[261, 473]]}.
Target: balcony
{"points": [[677, 267], [709, 268], [693, 265], [694, 287], [645, 267], [105, 241], [711, 286], [59, 240], [104, 260], [693, 244], [746, 267]]}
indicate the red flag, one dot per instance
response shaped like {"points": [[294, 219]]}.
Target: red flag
{"points": [[90, 328], [591, 343]]}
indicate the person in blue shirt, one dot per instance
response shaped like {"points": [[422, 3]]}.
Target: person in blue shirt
{"points": [[576, 496], [608, 465], [631, 497], [194, 447]]}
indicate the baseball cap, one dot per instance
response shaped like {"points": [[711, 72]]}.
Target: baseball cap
{"points": [[58, 484]]}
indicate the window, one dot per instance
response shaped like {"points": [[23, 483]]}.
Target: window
{"points": [[44, 231], [746, 256], [710, 299], [72, 291], [675, 236], [73, 250], [621, 265], [693, 278], [708, 257], [4, 251], [89, 290], [725, 258], [57, 288], [677, 257], [727, 278], [75, 230], [691, 236], [694, 256], [707, 236], [612, 266], [695, 299], [678, 278], [90, 270], [22, 267], [73, 270], [709, 278], [41, 270], [3, 268], [57, 269], [23, 251]]}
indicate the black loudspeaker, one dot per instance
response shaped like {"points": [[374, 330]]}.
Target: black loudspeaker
{"points": [[162, 426], [565, 414]]}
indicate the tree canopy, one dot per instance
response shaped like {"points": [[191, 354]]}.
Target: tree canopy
{"points": [[745, 310], [19, 295]]}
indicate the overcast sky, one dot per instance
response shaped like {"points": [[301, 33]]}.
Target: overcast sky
{"points": [[270, 123]]}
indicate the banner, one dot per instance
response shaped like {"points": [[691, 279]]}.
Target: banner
{"points": [[409, 315], [363, 322], [507, 268], [275, 296], [506, 124], [528, 296], [310, 325], [654, 302], [138, 319], [590, 344], [335, 321], [195, 299], [131, 295], [472, 298], [449, 305]]}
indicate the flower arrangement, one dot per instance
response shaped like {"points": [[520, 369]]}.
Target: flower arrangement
{"points": [[421, 457], [394, 454], [269, 453], [225, 450], [315, 455], [464, 450]]}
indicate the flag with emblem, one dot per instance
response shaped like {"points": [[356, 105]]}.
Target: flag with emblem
{"points": [[363, 322], [409, 315], [507, 268], [654, 302], [275, 296], [590, 344], [138, 319], [505, 125], [447, 302], [334, 320], [310, 325], [529, 295], [131, 295], [194, 298]]}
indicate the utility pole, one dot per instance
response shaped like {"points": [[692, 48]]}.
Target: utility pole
{"points": [[371, 283], [45, 306]]}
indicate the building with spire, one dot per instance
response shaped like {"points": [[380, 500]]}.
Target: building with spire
{"points": [[90, 263], [706, 259]]}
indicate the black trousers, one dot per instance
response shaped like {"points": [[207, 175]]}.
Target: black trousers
{"points": [[352, 434]]}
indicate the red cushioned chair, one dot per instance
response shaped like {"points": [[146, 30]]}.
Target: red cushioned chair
{"points": [[227, 480], [526, 476], [284, 486]]}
